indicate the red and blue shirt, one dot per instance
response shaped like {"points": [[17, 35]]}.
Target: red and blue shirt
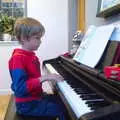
{"points": [[24, 67]]}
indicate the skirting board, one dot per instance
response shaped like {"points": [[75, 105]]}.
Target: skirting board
{"points": [[5, 91]]}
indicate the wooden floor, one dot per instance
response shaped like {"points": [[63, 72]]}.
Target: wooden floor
{"points": [[4, 101]]}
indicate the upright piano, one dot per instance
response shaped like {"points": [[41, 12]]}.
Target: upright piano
{"points": [[85, 91]]}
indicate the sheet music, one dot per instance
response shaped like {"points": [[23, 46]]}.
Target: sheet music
{"points": [[93, 45]]}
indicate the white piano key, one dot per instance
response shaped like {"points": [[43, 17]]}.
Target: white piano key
{"points": [[77, 104], [51, 68]]}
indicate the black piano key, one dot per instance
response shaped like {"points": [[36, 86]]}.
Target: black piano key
{"points": [[80, 92], [97, 104], [94, 100], [90, 96], [83, 91]]}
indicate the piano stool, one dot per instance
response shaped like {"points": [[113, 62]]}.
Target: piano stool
{"points": [[12, 115]]}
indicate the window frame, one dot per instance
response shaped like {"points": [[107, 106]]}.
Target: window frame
{"points": [[106, 9]]}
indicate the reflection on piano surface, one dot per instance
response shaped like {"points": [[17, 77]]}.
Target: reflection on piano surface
{"points": [[86, 93]]}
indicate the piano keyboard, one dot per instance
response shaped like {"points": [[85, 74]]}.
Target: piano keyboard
{"points": [[51, 69], [78, 105]]}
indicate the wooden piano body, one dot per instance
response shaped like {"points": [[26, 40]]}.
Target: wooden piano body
{"points": [[91, 86]]}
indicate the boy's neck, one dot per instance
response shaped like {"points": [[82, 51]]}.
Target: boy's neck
{"points": [[26, 49]]}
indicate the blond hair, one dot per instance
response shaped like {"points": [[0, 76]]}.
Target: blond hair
{"points": [[26, 27]]}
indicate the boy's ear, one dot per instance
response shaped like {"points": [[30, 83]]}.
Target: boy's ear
{"points": [[23, 38]]}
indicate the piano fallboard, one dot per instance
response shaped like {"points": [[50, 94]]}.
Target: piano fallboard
{"points": [[100, 95]]}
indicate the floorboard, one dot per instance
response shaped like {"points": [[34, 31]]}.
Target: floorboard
{"points": [[4, 101]]}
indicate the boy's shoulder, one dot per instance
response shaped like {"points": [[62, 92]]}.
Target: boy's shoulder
{"points": [[17, 59], [20, 52], [17, 54]]}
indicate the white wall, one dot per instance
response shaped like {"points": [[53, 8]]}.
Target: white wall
{"points": [[53, 14], [90, 14]]}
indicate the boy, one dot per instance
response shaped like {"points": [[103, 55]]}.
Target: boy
{"points": [[24, 68]]}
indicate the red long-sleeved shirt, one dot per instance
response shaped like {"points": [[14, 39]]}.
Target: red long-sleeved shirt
{"points": [[24, 68]]}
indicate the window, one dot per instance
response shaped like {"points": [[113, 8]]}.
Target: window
{"points": [[15, 8], [9, 11]]}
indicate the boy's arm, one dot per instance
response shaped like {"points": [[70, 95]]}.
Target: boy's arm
{"points": [[21, 85], [51, 77], [34, 86]]}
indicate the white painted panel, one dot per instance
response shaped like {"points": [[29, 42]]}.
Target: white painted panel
{"points": [[5, 80]]}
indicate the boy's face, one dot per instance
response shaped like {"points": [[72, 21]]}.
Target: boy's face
{"points": [[33, 42]]}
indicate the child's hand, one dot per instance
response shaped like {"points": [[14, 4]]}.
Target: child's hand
{"points": [[55, 77], [52, 77]]}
